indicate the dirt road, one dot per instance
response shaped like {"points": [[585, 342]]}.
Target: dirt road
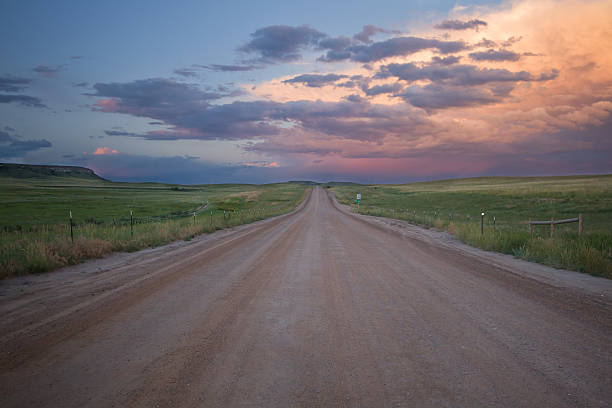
{"points": [[315, 308]]}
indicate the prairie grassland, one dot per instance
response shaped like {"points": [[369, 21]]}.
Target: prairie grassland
{"points": [[456, 206], [35, 229]]}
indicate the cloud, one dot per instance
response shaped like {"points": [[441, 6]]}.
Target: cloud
{"points": [[315, 80], [157, 98], [274, 44], [48, 71], [459, 74], [510, 41], [367, 32], [438, 97], [263, 164], [450, 60], [23, 100], [438, 115], [186, 72], [105, 151], [187, 111], [119, 133], [337, 43], [16, 84], [178, 169], [13, 84], [281, 43], [284, 148], [81, 84], [495, 55], [185, 107], [355, 98], [13, 148], [394, 47], [458, 85], [461, 25], [486, 43], [383, 89], [230, 68]]}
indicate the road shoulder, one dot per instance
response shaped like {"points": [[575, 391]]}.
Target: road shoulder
{"points": [[555, 277]]}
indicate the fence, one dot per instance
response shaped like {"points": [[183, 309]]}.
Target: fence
{"points": [[554, 222], [430, 217]]}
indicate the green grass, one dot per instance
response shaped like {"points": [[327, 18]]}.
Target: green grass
{"points": [[456, 205], [34, 216]]}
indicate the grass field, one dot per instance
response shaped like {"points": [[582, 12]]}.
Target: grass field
{"points": [[34, 215], [456, 206]]}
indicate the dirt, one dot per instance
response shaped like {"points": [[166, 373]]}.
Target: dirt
{"points": [[319, 307]]}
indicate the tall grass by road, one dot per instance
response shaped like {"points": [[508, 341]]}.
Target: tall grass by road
{"points": [[35, 231], [456, 205]]}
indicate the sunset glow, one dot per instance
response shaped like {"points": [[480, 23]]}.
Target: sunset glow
{"points": [[494, 88]]}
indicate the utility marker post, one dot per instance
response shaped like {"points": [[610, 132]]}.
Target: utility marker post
{"points": [[481, 223], [493, 224], [358, 201], [71, 236], [131, 224]]}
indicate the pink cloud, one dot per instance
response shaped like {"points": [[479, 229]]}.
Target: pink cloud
{"points": [[107, 105], [105, 151]]}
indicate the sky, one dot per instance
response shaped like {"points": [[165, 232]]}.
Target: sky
{"points": [[256, 92]]}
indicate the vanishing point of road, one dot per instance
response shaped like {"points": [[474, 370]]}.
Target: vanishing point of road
{"points": [[317, 308]]}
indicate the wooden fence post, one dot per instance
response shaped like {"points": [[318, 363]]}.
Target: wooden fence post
{"points": [[552, 226], [580, 224], [530, 228], [71, 236]]}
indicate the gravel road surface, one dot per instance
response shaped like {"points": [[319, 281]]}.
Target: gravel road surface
{"points": [[314, 308]]}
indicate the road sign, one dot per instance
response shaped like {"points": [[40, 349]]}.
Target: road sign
{"points": [[358, 198]]}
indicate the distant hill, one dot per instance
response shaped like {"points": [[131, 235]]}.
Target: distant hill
{"points": [[30, 170], [304, 182], [342, 183]]}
